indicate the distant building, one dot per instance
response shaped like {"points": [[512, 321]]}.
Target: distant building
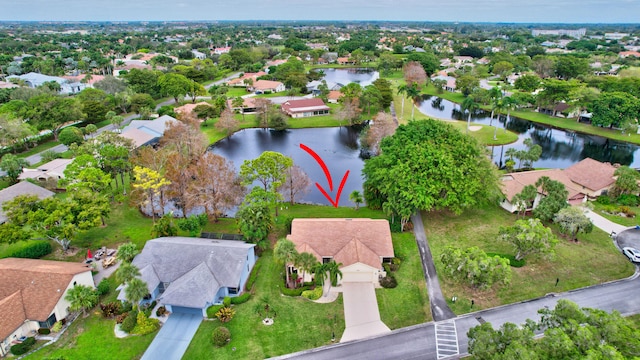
{"points": [[147, 132], [54, 169], [575, 33], [305, 108], [35, 80]]}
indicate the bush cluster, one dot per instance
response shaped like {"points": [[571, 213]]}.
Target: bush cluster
{"points": [[221, 336], [241, 299], [294, 292], [628, 200], [226, 302], [161, 311], [44, 331], [145, 325], [212, 310], [512, 259], [148, 308], [225, 314], [103, 287], [111, 309], [389, 281], [57, 326], [314, 294], [129, 322], [24, 347], [33, 249]]}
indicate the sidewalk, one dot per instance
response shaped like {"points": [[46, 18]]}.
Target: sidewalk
{"points": [[603, 223]]}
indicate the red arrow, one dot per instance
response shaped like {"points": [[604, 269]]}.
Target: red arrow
{"points": [[327, 174]]}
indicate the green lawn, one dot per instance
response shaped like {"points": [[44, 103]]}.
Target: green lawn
{"points": [[39, 148], [593, 260], [299, 324], [622, 220], [4, 183], [408, 303], [236, 91]]}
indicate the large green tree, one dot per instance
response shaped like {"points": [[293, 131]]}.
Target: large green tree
{"points": [[174, 85], [269, 169], [572, 221], [285, 253], [13, 166], [555, 198], [429, 165], [626, 181], [474, 267], [254, 217], [614, 109], [529, 237]]}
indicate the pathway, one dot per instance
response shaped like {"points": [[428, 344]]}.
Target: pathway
{"points": [[174, 337], [361, 313], [102, 272], [604, 224], [439, 308]]}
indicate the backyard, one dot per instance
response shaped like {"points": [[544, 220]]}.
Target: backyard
{"points": [[592, 260]]}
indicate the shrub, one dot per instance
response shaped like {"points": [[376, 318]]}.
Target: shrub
{"points": [[212, 310], [604, 200], [225, 314], [57, 326], [288, 220], [226, 301], [111, 309], [314, 294], [386, 267], [394, 225], [126, 306], [252, 277], [103, 287], [628, 200], [71, 135], [120, 318], [49, 155], [145, 325], [129, 322], [626, 211], [148, 307], [388, 282], [221, 336], [512, 259], [24, 347], [293, 292], [161, 311], [33, 249], [44, 331], [30, 341], [241, 299]]}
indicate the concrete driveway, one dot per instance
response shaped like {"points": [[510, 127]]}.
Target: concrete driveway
{"points": [[361, 314], [174, 337]]}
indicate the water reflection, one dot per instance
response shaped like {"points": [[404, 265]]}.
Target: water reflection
{"points": [[338, 147], [344, 76], [560, 148]]}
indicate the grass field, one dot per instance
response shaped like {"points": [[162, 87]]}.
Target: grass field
{"points": [[622, 220], [592, 260]]}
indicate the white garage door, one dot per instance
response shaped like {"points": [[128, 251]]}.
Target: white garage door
{"points": [[357, 276]]}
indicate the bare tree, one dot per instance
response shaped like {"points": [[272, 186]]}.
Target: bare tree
{"points": [[350, 111], [414, 74], [262, 111], [214, 185], [383, 125], [296, 184], [177, 171], [185, 137], [227, 123]]}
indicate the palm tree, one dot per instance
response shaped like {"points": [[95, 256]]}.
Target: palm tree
{"points": [[402, 90], [333, 268], [509, 104], [495, 95], [413, 93], [470, 106], [306, 262], [356, 197], [285, 253], [126, 272], [497, 107], [81, 297], [135, 291]]}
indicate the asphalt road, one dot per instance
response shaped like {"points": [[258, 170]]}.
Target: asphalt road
{"points": [[419, 342]]}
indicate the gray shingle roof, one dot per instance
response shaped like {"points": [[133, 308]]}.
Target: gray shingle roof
{"points": [[21, 188], [195, 268]]}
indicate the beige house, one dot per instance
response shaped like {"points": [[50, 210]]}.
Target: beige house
{"points": [[592, 177], [263, 86], [54, 169], [32, 295], [360, 245], [513, 183]]}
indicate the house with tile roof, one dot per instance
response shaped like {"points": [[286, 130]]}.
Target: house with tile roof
{"points": [[513, 183], [188, 108], [592, 177], [190, 274], [21, 188], [54, 169], [32, 295], [266, 86], [248, 106], [360, 245], [305, 108]]}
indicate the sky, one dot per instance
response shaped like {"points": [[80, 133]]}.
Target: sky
{"points": [[528, 11]]}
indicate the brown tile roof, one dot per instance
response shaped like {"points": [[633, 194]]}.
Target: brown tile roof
{"points": [[348, 241], [334, 95], [266, 85], [292, 106], [592, 174], [187, 108], [39, 283], [248, 103], [513, 183], [11, 314]]}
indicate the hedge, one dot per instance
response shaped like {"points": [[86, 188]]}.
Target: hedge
{"points": [[241, 299], [314, 294], [212, 310], [294, 292], [252, 277], [30, 249], [24, 347]]}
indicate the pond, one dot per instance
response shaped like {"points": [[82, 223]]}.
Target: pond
{"points": [[363, 77], [560, 148], [338, 147]]}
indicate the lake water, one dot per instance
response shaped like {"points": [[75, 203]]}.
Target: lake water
{"points": [[338, 147], [560, 149], [363, 77]]}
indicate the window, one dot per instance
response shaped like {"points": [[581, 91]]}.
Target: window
{"points": [[233, 291], [49, 322], [326, 260]]}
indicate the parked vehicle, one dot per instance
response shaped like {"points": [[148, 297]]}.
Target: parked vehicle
{"points": [[632, 253]]}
